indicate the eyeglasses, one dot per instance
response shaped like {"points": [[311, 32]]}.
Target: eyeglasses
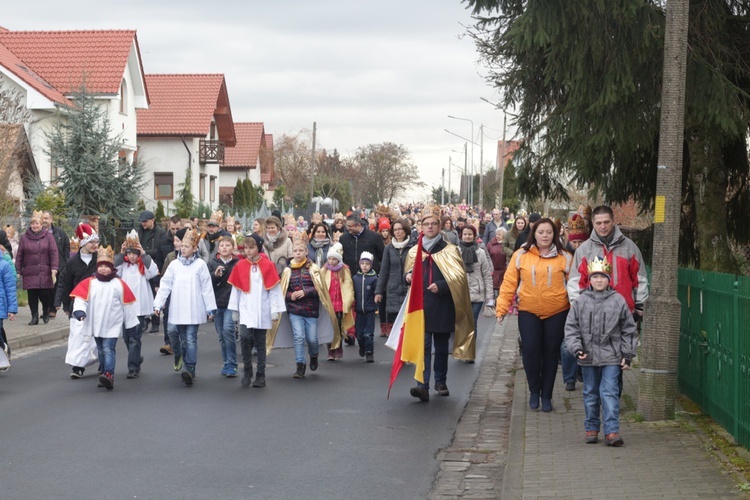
{"points": [[430, 223]]}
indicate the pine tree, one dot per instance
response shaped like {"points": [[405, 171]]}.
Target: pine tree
{"points": [[238, 196], [185, 202], [159, 215], [93, 180], [250, 195]]}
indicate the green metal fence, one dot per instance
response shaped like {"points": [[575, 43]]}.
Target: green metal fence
{"points": [[714, 361]]}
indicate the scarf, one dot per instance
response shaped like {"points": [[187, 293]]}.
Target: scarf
{"points": [[469, 255], [399, 245], [189, 260], [106, 278], [335, 268], [296, 265], [428, 243], [318, 245], [139, 263], [273, 238]]}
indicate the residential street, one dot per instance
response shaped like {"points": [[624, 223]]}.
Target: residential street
{"points": [[331, 435]]}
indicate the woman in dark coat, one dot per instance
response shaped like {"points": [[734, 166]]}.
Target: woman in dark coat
{"points": [[391, 283], [498, 258], [37, 263]]}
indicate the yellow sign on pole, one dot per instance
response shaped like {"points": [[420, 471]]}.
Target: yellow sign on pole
{"points": [[659, 209]]}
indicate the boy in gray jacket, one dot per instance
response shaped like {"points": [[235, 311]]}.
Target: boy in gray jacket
{"points": [[601, 333]]}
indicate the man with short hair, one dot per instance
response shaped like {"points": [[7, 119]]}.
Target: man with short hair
{"points": [[63, 248], [213, 235], [493, 225], [358, 239]]}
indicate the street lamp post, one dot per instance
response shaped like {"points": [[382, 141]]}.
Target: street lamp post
{"points": [[471, 198]]}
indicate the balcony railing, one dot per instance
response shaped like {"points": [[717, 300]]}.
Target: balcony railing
{"points": [[211, 152]]}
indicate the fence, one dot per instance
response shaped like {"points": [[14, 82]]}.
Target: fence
{"points": [[714, 360]]}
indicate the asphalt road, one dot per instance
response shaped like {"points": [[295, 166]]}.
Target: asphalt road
{"points": [[331, 435]]}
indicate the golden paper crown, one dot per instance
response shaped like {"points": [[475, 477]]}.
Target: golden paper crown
{"points": [[75, 244], [131, 239], [600, 266], [191, 238], [430, 211], [300, 238], [230, 220], [38, 215], [217, 217], [338, 215], [105, 254], [10, 231]]}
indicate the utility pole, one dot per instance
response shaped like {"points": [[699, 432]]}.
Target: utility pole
{"points": [[442, 190], [466, 166], [657, 382], [450, 193], [481, 166], [500, 174], [312, 163]]}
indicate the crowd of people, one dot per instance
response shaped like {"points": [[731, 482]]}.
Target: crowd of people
{"points": [[577, 286]]}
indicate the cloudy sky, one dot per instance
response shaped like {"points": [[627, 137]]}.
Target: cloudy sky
{"points": [[365, 71]]}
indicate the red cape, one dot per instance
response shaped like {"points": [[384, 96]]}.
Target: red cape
{"points": [[82, 290], [240, 276]]}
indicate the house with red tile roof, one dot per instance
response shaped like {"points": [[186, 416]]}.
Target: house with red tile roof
{"points": [[188, 127], [47, 68], [243, 160]]}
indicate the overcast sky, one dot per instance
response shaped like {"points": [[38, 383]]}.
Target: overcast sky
{"points": [[365, 71]]}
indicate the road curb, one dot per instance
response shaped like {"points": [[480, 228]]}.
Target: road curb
{"points": [[36, 339]]}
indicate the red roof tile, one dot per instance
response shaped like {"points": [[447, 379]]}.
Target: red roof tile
{"points": [[9, 60], [249, 140], [266, 170], [64, 59], [185, 105]]}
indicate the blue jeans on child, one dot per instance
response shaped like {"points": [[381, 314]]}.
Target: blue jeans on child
{"points": [[600, 387], [304, 328], [107, 356], [184, 340], [364, 325], [225, 329], [476, 308], [132, 339]]}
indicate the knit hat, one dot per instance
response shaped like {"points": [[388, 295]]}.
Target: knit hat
{"points": [[335, 251], [577, 229], [366, 256], [85, 234], [384, 223], [600, 266]]}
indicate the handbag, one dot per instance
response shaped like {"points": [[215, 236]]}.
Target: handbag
{"points": [[488, 312]]}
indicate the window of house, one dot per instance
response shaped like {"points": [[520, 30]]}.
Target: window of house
{"points": [[212, 135], [124, 97], [212, 189], [54, 172], [202, 188], [164, 186]]}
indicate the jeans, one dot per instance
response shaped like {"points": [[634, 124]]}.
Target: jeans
{"points": [[132, 339], [107, 357], [304, 328], [569, 364], [364, 325], [441, 357], [249, 338], [600, 386], [541, 349], [225, 329], [184, 340], [476, 308]]}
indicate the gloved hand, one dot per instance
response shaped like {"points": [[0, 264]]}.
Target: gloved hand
{"points": [[79, 315], [235, 316]]}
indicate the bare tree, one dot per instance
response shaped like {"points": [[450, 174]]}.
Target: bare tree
{"points": [[292, 168], [383, 172]]}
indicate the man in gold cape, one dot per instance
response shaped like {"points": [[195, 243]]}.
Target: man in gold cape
{"points": [[444, 256], [281, 334]]}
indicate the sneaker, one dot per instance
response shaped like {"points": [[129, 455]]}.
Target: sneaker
{"points": [[224, 371], [231, 372], [178, 364], [313, 363], [7, 351], [132, 374], [247, 376], [570, 386], [107, 380], [592, 437], [76, 373], [442, 389], [420, 392], [187, 378], [349, 340], [370, 358], [361, 351], [166, 350], [260, 381], [613, 439]]}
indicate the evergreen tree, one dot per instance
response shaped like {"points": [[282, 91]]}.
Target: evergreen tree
{"points": [[238, 196], [250, 195], [278, 196], [185, 202], [159, 215], [93, 180]]}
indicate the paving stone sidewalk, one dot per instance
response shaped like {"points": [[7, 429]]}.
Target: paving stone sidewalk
{"points": [[501, 449], [21, 334]]}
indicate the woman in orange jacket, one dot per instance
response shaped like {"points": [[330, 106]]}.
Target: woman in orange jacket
{"points": [[538, 273]]}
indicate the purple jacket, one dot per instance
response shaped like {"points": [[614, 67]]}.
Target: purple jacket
{"points": [[37, 256]]}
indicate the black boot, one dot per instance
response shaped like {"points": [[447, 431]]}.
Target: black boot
{"points": [[300, 373], [313, 363], [34, 319], [45, 317], [247, 376], [260, 380]]}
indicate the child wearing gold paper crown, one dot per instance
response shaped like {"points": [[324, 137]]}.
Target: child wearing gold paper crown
{"points": [[601, 333], [104, 303], [136, 268]]}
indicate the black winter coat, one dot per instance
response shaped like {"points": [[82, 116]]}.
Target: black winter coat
{"points": [[391, 282], [76, 270], [222, 289], [367, 241], [439, 309]]}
